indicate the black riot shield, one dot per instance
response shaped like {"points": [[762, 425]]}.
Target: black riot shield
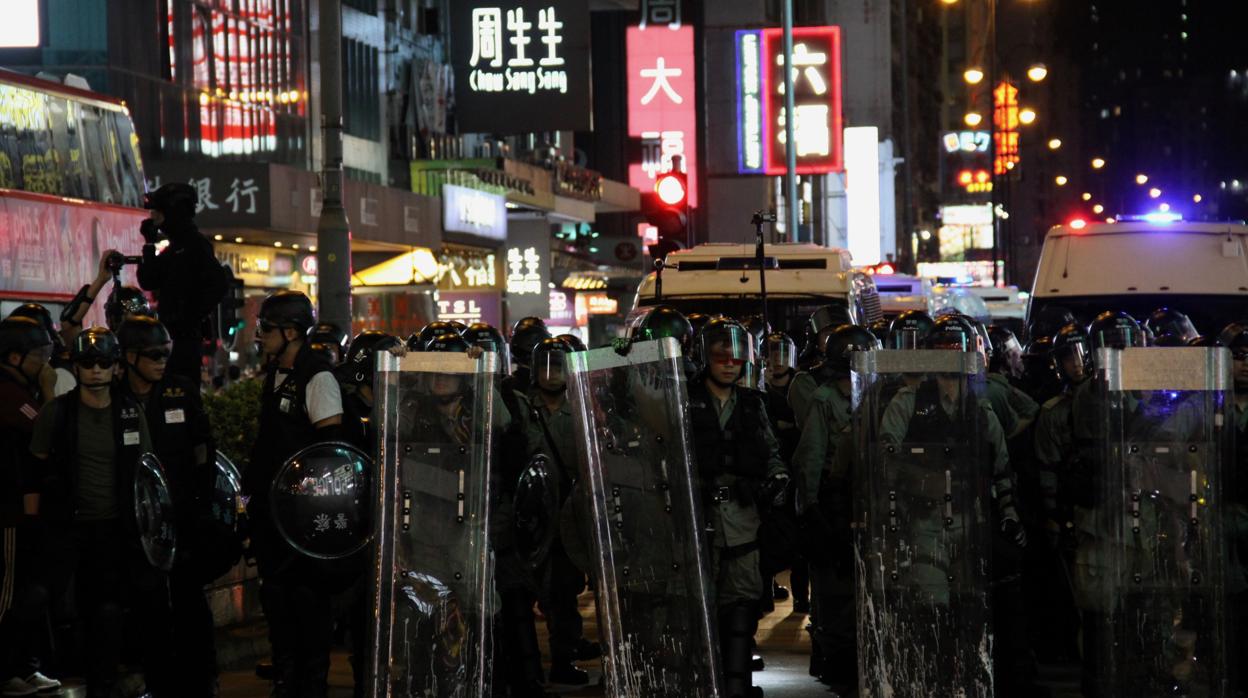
{"points": [[921, 519], [153, 513], [323, 500], [1167, 414], [211, 541], [653, 591], [434, 597]]}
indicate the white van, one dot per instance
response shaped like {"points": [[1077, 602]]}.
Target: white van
{"points": [[902, 292], [723, 278], [1138, 266]]}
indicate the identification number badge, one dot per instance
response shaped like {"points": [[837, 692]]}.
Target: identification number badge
{"points": [[175, 416], [285, 405], [130, 438]]}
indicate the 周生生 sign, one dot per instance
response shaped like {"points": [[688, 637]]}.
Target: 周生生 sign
{"points": [[522, 66]]}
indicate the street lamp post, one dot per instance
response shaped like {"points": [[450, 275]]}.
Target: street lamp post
{"points": [[790, 118], [333, 230]]}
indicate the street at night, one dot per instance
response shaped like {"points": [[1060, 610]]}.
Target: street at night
{"points": [[623, 348]]}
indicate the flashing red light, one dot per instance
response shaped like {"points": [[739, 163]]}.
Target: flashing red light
{"points": [[885, 269], [1078, 224], [671, 189]]}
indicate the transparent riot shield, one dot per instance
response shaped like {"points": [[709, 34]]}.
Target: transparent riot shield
{"points": [[921, 519], [653, 590], [434, 592], [322, 500], [227, 488], [1167, 415], [154, 514], [536, 506]]}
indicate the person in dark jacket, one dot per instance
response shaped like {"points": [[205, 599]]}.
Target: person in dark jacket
{"points": [[182, 440], [186, 277], [85, 450]]}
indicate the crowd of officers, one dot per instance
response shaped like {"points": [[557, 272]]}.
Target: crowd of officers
{"points": [[770, 425]]}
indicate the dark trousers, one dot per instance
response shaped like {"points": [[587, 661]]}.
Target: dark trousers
{"points": [[300, 618], [799, 580], [561, 607], [116, 593], [23, 606], [193, 635]]}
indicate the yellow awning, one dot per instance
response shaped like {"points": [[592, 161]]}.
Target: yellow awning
{"points": [[414, 268]]}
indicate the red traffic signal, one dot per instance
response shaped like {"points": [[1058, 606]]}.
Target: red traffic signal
{"points": [[672, 188]]}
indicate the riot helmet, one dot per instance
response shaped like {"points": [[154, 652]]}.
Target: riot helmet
{"points": [[1036, 359], [1048, 320], [330, 339], [549, 368], [286, 309], [823, 321], [1204, 341], [140, 332], [1071, 356], [450, 342], [128, 302], [664, 321], [573, 341], [449, 387], [39, 314], [757, 328], [437, 328], [1163, 321], [952, 333], [879, 328], [697, 321], [25, 336], [909, 330], [1115, 330], [360, 362], [1169, 340], [723, 347], [525, 335], [1006, 355], [842, 343], [95, 347], [486, 336], [458, 326], [780, 353], [175, 200]]}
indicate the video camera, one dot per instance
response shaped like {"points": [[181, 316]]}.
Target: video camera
{"points": [[117, 260]]}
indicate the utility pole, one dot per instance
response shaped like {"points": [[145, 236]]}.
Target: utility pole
{"points": [[333, 231], [790, 141]]}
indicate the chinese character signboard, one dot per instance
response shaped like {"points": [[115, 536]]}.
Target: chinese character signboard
{"points": [[233, 195], [662, 111], [522, 66], [527, 265], [816, 70], [474, 212], [1005, 120]]}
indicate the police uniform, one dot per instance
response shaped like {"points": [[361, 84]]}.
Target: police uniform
{"points": [[182, 439], [296, 607]]}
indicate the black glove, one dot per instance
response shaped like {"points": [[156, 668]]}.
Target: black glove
{"points": [[151, 235], [775, 491], [622, 345]]}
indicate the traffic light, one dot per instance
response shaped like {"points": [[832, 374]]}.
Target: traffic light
{"points": [[667, 208], [229, 322]]}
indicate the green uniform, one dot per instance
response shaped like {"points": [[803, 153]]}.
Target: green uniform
{"points": [[827, 418], [1015, 410]]}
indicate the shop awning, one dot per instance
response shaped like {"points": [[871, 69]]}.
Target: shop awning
{"points": [[417, 267]]}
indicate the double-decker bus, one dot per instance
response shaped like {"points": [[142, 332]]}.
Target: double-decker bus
{"points": [[71, 186]]}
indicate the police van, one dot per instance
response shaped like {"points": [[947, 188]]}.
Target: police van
{"points": [[901, 292], [1140, 265], [723, 278]]}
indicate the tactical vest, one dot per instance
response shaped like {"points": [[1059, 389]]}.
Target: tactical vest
{"points": [[56, 503], [171, 418], [739, 447], [284, 424], [783, 421]]}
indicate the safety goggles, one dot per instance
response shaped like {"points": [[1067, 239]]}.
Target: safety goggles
{"points": [[156, 354], [726, 359], [88, 364]]}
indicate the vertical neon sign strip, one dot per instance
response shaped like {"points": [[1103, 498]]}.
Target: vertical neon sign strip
{"points": [[661, 102], [749, 101], [826, 39]]}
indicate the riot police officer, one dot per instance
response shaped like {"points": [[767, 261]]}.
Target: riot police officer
{"points": [[87, 445], [486, 336], [739, 459], [301, 405], [551, 431], [1171, 321], [186, 276], [779, 360], [823, 504], [355, 379], [25, 348], [525, 335], [183, 442], [329, 339], [57, 379]]}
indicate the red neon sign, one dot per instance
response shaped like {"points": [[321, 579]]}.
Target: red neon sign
{"points": [[819, 129], [661, 103], [1005, 132]]}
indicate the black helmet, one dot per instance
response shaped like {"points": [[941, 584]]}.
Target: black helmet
{"points": [[757, 328], [330, 335], [129, 302], [573, 341], [952, 333], [486, 336], [288, 309], [1048, 320], [1205, 341], [1070, 341], [549, 359], [1235, 337], [137, 333], [22, 334], [458, 326], [910, 329], [451, 342], [38, 313], [525, 335], [842, 343], [1036, 357], [1163, 321], [782, 347], [879, 328], [1115, 329], [733, 341], [175, 200], [359, 360], [829, 317], [95, 343], [437, 328], [697, 321], [1006, 355], [664, 321], [1169, 340]]}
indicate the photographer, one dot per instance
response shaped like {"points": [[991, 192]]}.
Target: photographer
{"points": [[186, 277]]}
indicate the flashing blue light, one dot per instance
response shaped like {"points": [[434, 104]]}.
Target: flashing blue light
{"points": [[1156, 217]]}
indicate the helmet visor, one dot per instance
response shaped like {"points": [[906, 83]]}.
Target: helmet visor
{"points": [[549, 368], [731, 344], [781, 355], [1071, 360], [1118, 337], [906, 338]]}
